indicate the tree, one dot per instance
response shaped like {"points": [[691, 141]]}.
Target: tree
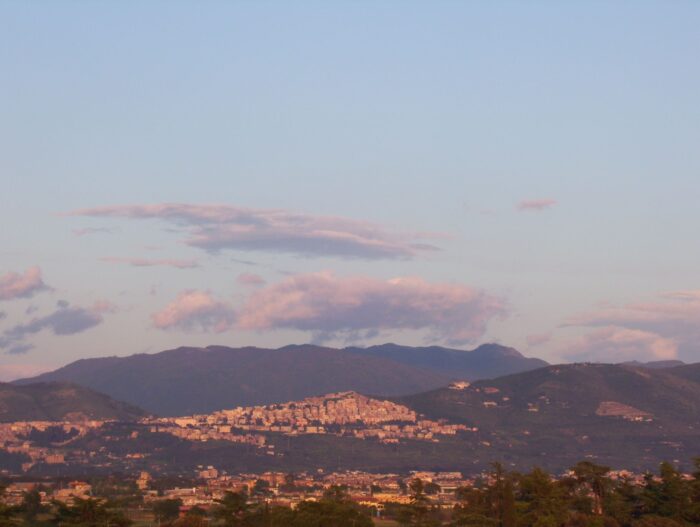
{"points": [[541, 500], [166, 511], [473, 509], [261, 488], [6, 513], [432, 488], [89, 513], [668, 496], [418, 512], [327, 513], [594, 481], [501, 497], [337, 494], [231, 509], [289, 483]]}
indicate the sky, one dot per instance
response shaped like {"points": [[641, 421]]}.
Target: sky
{"points": [[349, 173]]}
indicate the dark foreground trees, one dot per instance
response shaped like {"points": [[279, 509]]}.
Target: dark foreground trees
{"points": [[587, 497], [335, 509]]}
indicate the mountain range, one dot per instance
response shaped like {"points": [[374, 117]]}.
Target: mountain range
{"points": [[624, 415], [199, 380], [619, 415]]}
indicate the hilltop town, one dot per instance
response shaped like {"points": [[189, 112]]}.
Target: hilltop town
{"points": [[341, 414]]}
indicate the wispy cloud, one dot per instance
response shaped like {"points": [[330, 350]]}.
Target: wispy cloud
{"points": [[25, 285], [220, 227], [146, 262], [19, 348], [65, 320], [250, 279], [536, 204], [536, 339], [92, 230]]}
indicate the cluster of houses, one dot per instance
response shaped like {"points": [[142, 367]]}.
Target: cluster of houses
{"points": [[16, 438], [344, 414]]}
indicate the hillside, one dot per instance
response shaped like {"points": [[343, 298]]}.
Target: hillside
{"points": [[485, 362], [616, 413], [53, 401], [656, 364], [198, 380], [690, 372], [619, 415]]}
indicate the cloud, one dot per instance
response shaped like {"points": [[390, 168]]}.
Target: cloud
{"points": [[16, 285], [673, 316], [65, 320], [250, 279], [195, 310], [538, 338], [92, 230], [220, 227], [19, 349], [615, 344], [145, 262], [331, 307], [350, 308], [536, 204]]}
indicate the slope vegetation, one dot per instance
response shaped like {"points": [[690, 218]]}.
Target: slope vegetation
{"points": [[53, 401]]}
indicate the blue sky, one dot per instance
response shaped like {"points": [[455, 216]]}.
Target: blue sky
{"points": [[429, 121]]}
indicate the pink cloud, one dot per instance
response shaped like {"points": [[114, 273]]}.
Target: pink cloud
{"points": [[193, 310], [615, 344], [250, 279], [220, 227], [330, 306], [536, 204], [675, 313], [145, 262], [16, 285], [674, 316]]}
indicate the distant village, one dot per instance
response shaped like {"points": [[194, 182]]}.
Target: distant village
{"points": [[342, 414]]}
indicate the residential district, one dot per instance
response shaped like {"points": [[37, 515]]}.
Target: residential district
{"points": [[352, 498], [340, 414]]}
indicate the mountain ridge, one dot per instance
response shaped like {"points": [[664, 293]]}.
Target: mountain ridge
{"points": [[188, 380], [486, 361]]}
